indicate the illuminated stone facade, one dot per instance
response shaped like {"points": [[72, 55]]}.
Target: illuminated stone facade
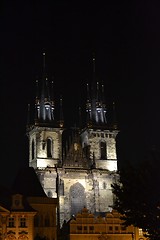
{"points": [[78, 171], [79, 184]]}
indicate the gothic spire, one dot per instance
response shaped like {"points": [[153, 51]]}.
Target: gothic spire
{"points": [[44, 99], [95, 106]]}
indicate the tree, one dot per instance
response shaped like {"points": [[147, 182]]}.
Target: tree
{"points": [[137, 195]]}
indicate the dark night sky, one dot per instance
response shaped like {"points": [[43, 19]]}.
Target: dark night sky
{"points": [[125, 36]]}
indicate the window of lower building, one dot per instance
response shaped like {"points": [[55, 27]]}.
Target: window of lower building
{"points": [[11, 221], [91, 228], [123, 228], [116, 228], [79, 228], [22, 222], [110, 228], [85, 228], [140, 232]]}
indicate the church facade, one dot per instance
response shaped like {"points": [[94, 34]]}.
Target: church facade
{"points": [[79, 171]]}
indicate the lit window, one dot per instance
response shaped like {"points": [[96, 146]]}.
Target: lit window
{"points": [[140, 232], [11, 222], [22, 222]]}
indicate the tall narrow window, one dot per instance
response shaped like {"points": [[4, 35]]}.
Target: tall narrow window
{"points": [[11, 222], [32, 149], [104, 185], [22, 222], [49, 147], [103, 150]]}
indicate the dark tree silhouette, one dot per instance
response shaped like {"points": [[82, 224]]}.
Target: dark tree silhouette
{"points": [[137, 195]]}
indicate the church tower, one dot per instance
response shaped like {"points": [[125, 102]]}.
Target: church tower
{"points": [[45, 136], [99, 139], [78, 169]]}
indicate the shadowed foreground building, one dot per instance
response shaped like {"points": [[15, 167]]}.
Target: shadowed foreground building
{"points": [[16, 218], [45, 220]]}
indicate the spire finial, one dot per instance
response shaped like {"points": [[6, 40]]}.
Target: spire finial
{"points": [[61, 113], [114, 124], [44, 61], [94, 59]]}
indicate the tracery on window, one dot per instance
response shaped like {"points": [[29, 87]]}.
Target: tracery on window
{"points": [[77, 197]]}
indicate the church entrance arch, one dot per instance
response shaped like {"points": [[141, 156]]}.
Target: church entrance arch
{"points": [[77, 198]]}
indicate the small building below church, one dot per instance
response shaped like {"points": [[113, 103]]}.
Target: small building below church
{"points": [[16, 218], [45, 221], [87, 226]]}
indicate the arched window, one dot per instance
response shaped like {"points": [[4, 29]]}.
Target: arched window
{"points": [[104, 185], [77, 198], [49, 147], [103, 150], [32, 149], [61, 187], [49, 194]]}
